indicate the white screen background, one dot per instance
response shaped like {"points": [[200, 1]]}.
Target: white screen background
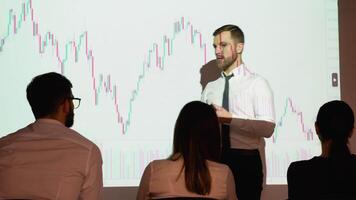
{"points": [[147, 55]]}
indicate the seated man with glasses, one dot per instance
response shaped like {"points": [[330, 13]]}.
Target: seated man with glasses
{"points": [[47, 159]]}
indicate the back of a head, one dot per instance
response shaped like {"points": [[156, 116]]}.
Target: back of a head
{"points": [[197, 139], [197, 131], [335, 121], [46, 92]]}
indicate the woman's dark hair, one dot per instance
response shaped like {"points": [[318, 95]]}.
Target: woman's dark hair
{"points": [[197, 139], [335, 121]]}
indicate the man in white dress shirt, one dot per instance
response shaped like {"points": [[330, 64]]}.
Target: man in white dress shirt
{"points": [[244, 104]]}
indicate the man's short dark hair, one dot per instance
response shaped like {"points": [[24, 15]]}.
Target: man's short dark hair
{"points": [[236, 32], [46, 92]]}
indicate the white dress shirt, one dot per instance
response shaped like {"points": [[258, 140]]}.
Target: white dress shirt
{"points": [[250, 103]]}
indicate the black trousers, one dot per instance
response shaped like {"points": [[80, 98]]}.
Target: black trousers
{"points": [[246, 166]]}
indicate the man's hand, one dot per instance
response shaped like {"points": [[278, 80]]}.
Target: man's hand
{"points": [[224, 116]]}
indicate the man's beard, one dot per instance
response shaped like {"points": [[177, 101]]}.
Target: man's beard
{"points": [[227, 62], [69, 119]]}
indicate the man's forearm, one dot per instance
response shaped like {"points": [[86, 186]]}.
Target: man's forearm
{"points": [[258, 128]]}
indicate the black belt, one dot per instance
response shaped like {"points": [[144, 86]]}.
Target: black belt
{"points": [[245, 152]]}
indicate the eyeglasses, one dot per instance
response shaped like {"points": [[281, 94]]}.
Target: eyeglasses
{"points": [[76, 101]]}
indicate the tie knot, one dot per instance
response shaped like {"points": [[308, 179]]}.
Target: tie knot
{"points": [[227, 77]]}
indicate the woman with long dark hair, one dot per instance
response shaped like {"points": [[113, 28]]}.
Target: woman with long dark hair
{"points": [[193, 169], [330, 175]]}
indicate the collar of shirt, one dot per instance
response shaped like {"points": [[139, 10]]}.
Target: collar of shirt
{"points": [[238, 71], [48, 121]]}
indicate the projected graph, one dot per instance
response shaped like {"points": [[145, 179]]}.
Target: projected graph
{"points": [[156, 55], [307, 132], [288, 145], [135, 70], [124, 164], [278, 162]]}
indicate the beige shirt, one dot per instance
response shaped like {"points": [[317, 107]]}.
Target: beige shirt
{"points": [[251, 105], [47, 160], [160, 180]]}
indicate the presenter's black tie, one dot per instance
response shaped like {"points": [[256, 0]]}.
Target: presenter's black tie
{"points": [[225, 129]]}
